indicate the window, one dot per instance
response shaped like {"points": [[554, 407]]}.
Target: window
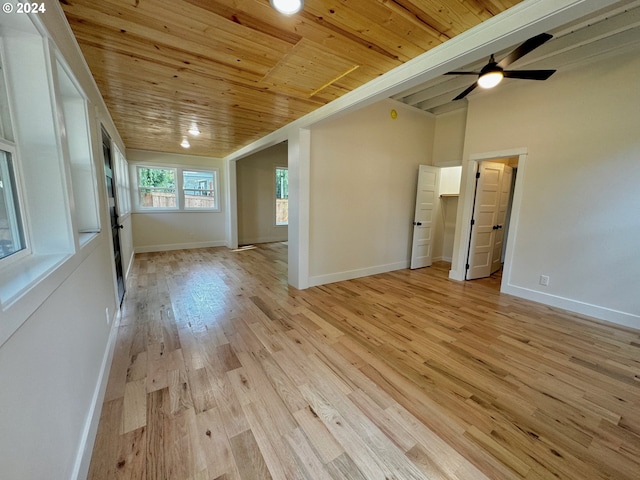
{"points": [[75, 128], [11, 231], [122, 183], [176, 188], [157, 188], [12, 239], [282, 196], [199, 189]]}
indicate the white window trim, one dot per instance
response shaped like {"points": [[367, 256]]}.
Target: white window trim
{"points": [[136, 189], [58, 68], [26, 251], [179, 169], [216, 189]]}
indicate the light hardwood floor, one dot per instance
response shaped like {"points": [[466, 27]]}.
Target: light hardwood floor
{"points": [[221, 371]]}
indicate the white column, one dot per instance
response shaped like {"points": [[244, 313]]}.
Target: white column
{"points": [[232, 204], [299, 171]]}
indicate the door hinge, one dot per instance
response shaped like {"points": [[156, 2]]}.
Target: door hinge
{"points": [[473, 222], [477, 174], [466, 266]]}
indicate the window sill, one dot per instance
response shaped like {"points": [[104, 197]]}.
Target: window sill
{"points": [[21, 276], [85, 238], [16, 285], [175, 210], [156, 210]]}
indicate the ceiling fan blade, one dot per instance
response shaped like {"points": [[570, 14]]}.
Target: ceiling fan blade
{"points": [[529, 74], [526, 47], [462, 73], [466, 92]]}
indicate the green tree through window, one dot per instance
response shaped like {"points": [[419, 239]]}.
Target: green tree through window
{"points": [[156, 177], [157, 187]]}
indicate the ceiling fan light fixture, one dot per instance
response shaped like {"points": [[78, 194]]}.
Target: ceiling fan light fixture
{"points": [[185, 143], [194, 130], [490, 79], [287, 7]]}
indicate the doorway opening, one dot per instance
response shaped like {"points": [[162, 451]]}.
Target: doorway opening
{"points": [[262, 192], [492, 204], [489, 255]]}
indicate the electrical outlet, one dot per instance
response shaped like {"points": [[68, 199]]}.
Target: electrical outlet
{"points": [[544, 280], [106, 311]]}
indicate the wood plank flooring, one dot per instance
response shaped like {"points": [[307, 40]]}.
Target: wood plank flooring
{"points": [[222, 371]]}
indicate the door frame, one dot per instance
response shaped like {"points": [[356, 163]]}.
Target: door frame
{"points": [[105, 140], [480, 206], [465, 211]]}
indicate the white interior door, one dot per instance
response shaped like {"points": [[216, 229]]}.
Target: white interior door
{"points": [[503, 206], [485, 216], [424, 218]]}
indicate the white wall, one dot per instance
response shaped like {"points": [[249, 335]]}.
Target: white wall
{"points": [[448, 143], [159, 231], [256, 196], [49, 370], [364, 168], [579, 221]]}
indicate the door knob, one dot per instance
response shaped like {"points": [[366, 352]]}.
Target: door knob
{"points": [[417, 223]]}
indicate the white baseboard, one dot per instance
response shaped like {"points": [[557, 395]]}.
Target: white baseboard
{"points": [[249, 241], [595, 311], [316, 280], [441, 259], [178, 246], [83, 457]]}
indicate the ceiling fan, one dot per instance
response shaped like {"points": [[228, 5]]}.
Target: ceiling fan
{"points": [[493, 72]]}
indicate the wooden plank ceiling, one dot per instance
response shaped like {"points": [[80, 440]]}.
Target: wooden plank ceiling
{"points": [[238, 69]]}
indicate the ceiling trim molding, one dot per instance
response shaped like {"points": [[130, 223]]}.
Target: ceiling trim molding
{"points": [[512, 26]]}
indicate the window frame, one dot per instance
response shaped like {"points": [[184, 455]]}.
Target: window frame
{"points": [[9, 145], [215, 190], [24, 252], [275, 195], [73, 107], [179, 187], [142, 208], [123, 185]]}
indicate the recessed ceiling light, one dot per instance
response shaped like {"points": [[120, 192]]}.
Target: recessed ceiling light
{"points": [[194, 130], [288, 7], [185, 143]]}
